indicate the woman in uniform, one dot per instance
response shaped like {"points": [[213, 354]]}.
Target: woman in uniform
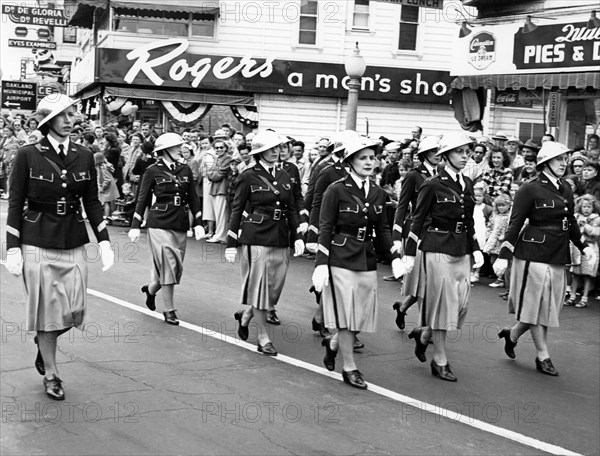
{"points": [[540, 251], [346, 272], [264, 191], [46, 240], [172, 184], [443, 222]]}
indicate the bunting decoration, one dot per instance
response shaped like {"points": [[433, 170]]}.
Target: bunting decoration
{"points": [[186, 113], [114, 103], [248, 115]]}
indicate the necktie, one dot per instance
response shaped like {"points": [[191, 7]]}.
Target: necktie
{"points": [[364, 187], [61, 152], [458, 181], [272, 170], [561, 185]]}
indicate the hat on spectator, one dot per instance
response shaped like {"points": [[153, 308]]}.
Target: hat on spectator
{"points": [[393, 146], [550, 150], [51, 106], [220, 134], [501, 136], [167, 140], [529, 144], [356, 145], [453, 140], [514, 139], [265, 140], [578, 156], [428, 143]]}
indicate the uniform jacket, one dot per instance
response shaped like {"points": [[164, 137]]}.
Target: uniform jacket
{"points": [[294, 174], [259, 215], [443, 217], [330, 174], [321, 164], [408, 200], [35, 181], [342, 218], [551, 224], [175, 192]]}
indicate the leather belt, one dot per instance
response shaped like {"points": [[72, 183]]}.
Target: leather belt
{"points": [[275, 214], [174, 200], [457, 227], [360, 233], [58, 208], [563, 225]]}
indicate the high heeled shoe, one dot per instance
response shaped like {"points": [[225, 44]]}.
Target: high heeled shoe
{"points": [[266, 349], [400, 316], [420, 347], [546, 367], [272, 318], [354, 378], [171, 317], [150, 298], [320, 328], [39, 361], [442, 372], [242, 330], [509, 345], [330, 354], [53, 387]]}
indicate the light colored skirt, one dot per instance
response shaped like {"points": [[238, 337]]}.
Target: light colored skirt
{"points": [[350, 300], [55, 283], [208, 201], [537, 291], [168, 250], [445, 291], [412, 281], [263, 275]]}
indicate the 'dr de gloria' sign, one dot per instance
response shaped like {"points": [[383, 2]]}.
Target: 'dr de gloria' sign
{"points": [[165, 63], [482, 50]]}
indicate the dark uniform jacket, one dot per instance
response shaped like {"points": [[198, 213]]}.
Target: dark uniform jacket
{"points": [[321, 164], [53, 217], [390, 175], [264, 210], [408, 201], [346, 225], [551, 224], [443, 217], [175, 192], [294, 174], [330, 174]]}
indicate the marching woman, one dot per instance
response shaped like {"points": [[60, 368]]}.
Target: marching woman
{"points": [[540, 251], [172, 184], [265, 193], [346, 265], [443, 222], [46, 239]]}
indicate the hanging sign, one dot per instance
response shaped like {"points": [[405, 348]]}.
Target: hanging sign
{"points": [[35, 16]]}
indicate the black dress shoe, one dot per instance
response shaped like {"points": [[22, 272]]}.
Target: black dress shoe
{"points": [[509, 345], [546, 367], [354, 378], [150, 298], [54, 388], [358, 345], [317, 294], [272, 318], [171, 317], [442, 372], [267, 349], [242, 330], [400, 316], [420, 347], [320, 328], [39, 361], [330, 354]]}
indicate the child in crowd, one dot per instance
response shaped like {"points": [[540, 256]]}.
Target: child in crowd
{"points": [[107, 186], [499, 222], [587, 213], [404, 166], [481, 215]]}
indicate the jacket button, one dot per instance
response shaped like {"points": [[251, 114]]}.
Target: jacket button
{"points": [[277, 203], [436, 229], [63, 198], [64, 171], [275, 183], [367, 204], [462, 216], [64, 185]]}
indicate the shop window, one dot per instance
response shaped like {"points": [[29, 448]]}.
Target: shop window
{"points": [[69, 35], [164, 23], [308, 22], [409, 25], [360, 19], [528, 130]]}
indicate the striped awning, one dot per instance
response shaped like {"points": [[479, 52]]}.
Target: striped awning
{"points": [[529, 81]]}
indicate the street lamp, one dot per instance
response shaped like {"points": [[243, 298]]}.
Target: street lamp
{"points": [[355, 67]]}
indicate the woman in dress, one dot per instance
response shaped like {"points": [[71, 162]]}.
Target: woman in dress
{"points": [[46, 240], [443, 222], [540, 251], [499, 177], [218, 176], [265, 192], [346, 272], [172, 185]]}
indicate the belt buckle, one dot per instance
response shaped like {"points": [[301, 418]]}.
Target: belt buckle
{"points": [[362, 233], [61, 207], [565, 224], [459, 227], [177, 200], [277, 214]]}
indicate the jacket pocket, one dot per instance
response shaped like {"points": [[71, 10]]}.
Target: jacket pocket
{"points": [[258, 188], [349, 207], [535, 238], [286, 186], [254, 218], [163, 180], [445, 198], [544, 204], [81, 176], [378, 208], [338, 240], [41, 175], [436, 230], [160, 207], [32, 216]]}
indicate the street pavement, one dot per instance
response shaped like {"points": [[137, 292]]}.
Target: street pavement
{"points": [[135, 385]]}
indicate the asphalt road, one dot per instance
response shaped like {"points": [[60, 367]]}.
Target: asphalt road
{"points": [[136, 385]]}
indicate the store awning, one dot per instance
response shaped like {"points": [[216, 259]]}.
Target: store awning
{"points": [[179, 96], [529, 81], [83, 10]]}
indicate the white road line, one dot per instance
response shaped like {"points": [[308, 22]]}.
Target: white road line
{"points": [[416, 403]]}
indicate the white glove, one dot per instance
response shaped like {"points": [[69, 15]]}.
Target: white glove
{"points": [[298, 247], [303, 228], [320, 277], [590, 255], [398, 268], [134, 234], [14, 261], [477, 259], [409, 263], [397, 248], [500, 266], [199, 232], [106, 255], [312, 247], [230, 254]]}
